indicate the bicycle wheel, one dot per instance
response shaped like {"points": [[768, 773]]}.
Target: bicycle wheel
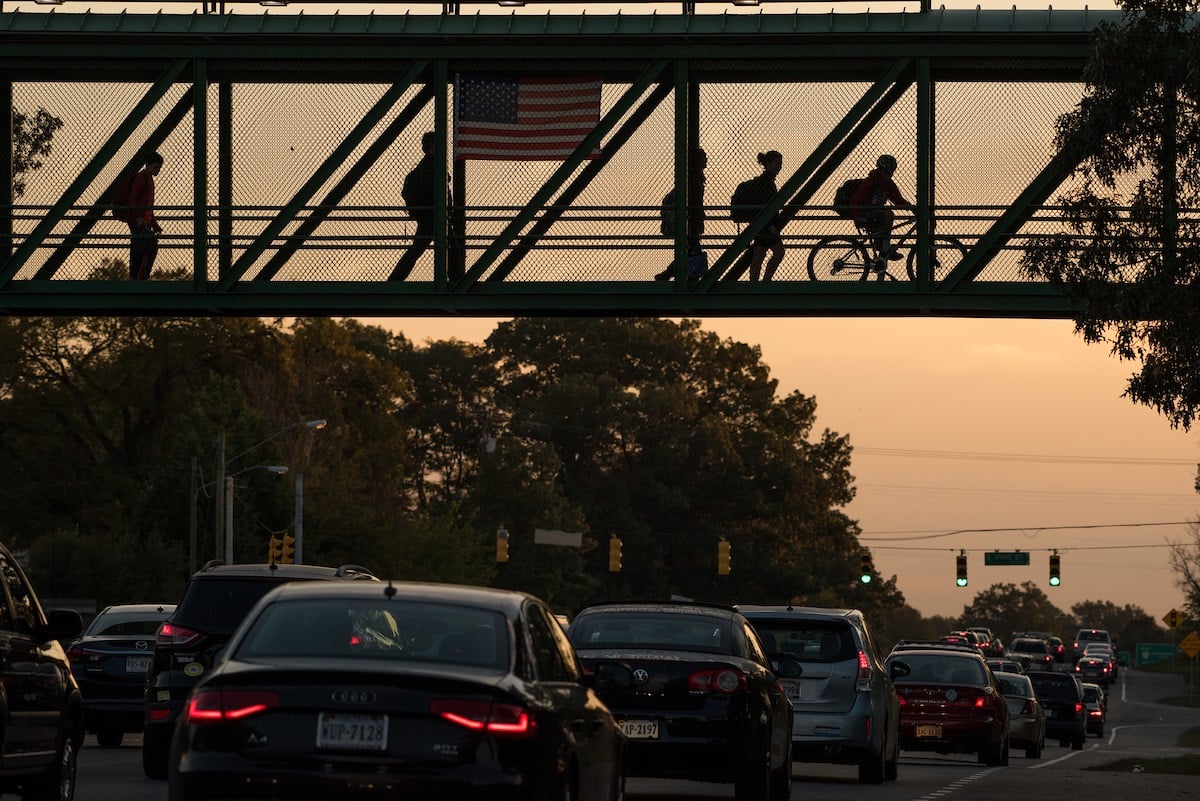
{"points": [[947, 253], [838, 258]]}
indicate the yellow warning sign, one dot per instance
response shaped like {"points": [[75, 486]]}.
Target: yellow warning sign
{"points": [[1190, 645]]}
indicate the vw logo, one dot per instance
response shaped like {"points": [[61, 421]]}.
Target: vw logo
{"points": [[141, 645], [353, 696], [641, 676]]}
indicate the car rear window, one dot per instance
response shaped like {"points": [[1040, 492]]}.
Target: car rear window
{"points": [[942, 669], [1030, 646], [113, 626], [379, 629], [669, 630], [808, 641], [1014, 685], [221, 604], [1055, 688]]}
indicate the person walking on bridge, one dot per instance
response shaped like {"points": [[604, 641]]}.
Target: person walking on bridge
{"points": [[769, 238], [418, 193], [143, 227]]}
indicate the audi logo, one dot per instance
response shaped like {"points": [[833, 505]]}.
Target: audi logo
{"points": [[353, 696]]}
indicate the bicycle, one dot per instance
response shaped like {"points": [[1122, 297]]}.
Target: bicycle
{"points": [[854, 258]]}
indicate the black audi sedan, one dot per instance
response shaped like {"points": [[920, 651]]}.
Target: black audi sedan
{"points": [[706, 702], [349, 690]]}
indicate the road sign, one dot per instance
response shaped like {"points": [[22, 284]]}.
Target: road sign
{"points": [[1190, 645], [1006, 557], [1173, 619], [1146, 653]]}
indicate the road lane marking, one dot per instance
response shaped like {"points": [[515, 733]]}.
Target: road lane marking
{"points": [[1064, 757], [957, 784]]}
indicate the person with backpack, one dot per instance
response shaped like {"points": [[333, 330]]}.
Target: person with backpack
{"points": [[418, 193], [697, 161], [143, 227], [868, 205], [749, 197]]}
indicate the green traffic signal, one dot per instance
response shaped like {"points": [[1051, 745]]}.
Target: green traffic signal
{"points": [[961, 569], [1055, 570], [865, 568]]}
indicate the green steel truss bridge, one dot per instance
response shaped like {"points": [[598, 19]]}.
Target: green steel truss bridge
{"points": [[286, 138]]}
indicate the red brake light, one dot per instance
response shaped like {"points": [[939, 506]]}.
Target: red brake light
{"points": [[506, 720], [722, 680], [1078, 707], [173, 635], [1028, 708], [210, 706], [82, 655]]}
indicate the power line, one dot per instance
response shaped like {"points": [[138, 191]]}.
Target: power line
{"points": [[1029, 550], [985, 456], [1020, 529]]}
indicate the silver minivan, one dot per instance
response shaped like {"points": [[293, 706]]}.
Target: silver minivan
{"points": [[848, 712]]}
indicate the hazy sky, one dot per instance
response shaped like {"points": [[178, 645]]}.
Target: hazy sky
{"points": [[967, 403]]}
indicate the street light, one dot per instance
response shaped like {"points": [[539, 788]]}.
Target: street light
{"points": [[222, 463], [277, 469]]}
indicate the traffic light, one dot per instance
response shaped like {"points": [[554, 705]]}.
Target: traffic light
{"points": [[1055, 569], [724, 554], [274, 550], [614, 554], [501, 545], [961, 563], [865, 568], [287, 550]]}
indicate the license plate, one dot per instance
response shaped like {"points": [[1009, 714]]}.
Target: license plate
{"points": [[791, 689], [1049, 714], [929, 731], [352, 732], [137, 664], [639, 729]]}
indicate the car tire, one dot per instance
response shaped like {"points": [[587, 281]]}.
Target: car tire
{"points": [[1100, 731], [58, 783], [154, 754], [109, 736], [1034, 751], [891, 768], [1077, 742], [753, 782], [781, 781], [1005, 753], [993, 755], [872, 768]]}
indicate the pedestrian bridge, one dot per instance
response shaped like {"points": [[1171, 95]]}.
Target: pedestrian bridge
{"points": [[286, 138]]}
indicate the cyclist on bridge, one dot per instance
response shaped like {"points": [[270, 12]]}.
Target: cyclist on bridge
{"points": [[869, 204]]}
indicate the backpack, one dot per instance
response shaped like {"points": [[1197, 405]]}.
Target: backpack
{"points": [[843, 195], [666, 212], [747, 199], [409, 191], [121, 192]]}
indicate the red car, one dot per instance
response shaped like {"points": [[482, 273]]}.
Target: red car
{"points": [[950, 703]]}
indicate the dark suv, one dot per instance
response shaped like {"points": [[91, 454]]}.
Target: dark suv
{"points": [[41, 729], [214, 603], [1061, 695]]}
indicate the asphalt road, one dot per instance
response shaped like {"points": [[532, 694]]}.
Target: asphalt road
{"points": [[1137, 727]]}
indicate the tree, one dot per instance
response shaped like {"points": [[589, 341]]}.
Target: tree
{"points": [[1185, 561], [1126, 624], [1005, 608], [671, 438], [1130, 260], [32, 137]]}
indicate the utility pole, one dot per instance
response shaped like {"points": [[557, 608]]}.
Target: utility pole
{"points": [[219, 496], [299, 518]]}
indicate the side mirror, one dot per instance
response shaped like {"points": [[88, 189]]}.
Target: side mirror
{"points": [[786, 666], [899, 669], [610, 676], [62, 624]]}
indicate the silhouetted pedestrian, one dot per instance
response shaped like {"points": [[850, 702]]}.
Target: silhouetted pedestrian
{"points": [[143, 227]]}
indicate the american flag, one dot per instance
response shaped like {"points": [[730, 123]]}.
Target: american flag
{"points": [[524, 119]]}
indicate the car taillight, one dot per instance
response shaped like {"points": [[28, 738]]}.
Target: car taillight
{"points": [[505, 720], [722, 680], [1078, 707], [211, 706], [1094, 713], [1028, 708], [863, 685], [170, 634], [83, 656]]}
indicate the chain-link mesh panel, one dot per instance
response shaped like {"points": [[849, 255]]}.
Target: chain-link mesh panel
{"points": [[90, 114], [991, 140]]}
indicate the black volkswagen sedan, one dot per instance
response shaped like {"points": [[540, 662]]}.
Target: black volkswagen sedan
{"points": [[400, 690], [705, 702]]}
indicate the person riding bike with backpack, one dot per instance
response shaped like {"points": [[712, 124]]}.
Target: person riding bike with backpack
{"points": [[870, 210]]}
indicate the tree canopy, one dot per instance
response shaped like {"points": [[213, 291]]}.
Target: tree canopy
{"points": [[1129, 257]]}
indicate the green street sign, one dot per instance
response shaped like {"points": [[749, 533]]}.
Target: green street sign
{"points": [[1145, 653], [1006, 558]]}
